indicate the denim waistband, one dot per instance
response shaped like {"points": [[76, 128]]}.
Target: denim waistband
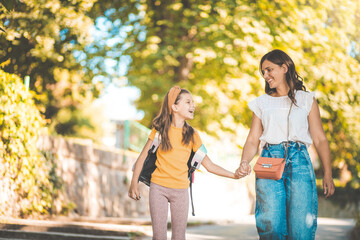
{"points": [[283, 149], [286, 144]]}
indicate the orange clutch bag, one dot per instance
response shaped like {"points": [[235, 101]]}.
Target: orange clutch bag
{"points": [[269, 168]]}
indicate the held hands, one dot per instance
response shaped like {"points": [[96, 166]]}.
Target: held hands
{"points": [[243, 170], [134, 192], [236, 176]]}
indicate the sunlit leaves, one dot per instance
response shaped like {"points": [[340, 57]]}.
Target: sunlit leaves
{"points": [[23, 172], [46, 41]]}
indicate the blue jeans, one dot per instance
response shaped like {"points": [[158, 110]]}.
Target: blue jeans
{"points": [[287, 208]]}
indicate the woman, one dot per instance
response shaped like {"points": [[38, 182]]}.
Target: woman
{"points": [[286, 208]]}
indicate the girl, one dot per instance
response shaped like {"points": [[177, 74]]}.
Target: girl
{"points": [[169, 182], [286, 208]]}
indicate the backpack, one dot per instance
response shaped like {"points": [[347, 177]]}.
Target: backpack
{"points": [[149, 166]]}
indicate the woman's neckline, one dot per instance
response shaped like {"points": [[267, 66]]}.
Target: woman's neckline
{"points": [[280, 96]]}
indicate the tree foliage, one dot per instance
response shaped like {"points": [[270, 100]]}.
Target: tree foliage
{"points": [[28, 185], [46, 40], [213, 48]]}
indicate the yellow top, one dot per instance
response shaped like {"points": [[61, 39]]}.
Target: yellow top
{"points": [[171, 166]]}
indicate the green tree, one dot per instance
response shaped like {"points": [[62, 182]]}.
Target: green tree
{"points": [[26, 178], [213, 48], [46, 40]]}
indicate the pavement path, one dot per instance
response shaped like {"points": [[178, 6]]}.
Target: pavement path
{"points": [[245, 229], [131, 229]]}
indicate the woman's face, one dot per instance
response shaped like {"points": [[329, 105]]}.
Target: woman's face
{"points": [[274, 74]]}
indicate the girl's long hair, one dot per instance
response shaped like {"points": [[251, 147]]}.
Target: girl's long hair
{"points": [[162, 124], [293, 79]]}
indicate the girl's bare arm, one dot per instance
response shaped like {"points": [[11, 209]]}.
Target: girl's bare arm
{"points": [[134, 192], [216, 169]]}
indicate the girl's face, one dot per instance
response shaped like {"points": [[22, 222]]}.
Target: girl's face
{"points": [[274, 74], [185, 107]]}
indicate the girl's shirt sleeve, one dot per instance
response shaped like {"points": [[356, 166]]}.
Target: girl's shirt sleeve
{"points": [[254, 107], [152, 134]]}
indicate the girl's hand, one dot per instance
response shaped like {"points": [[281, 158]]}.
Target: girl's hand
{"points": [[329, 186], [134, 192], [236, 176], [243, 170]]}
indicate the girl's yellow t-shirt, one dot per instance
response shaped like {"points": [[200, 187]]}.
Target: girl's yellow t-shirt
{"points": [[171, 166]]}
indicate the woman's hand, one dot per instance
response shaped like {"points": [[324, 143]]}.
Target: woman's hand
{"points": [[328, 185], [243, 170]]}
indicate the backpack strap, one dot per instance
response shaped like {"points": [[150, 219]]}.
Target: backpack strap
{"points": [[194, 163], [156, 142], [154, 145], [191, 197]]}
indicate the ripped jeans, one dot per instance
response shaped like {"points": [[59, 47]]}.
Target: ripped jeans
{"points": [[287, 208]]}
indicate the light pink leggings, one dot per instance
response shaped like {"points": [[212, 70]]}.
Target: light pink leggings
{"points": [[159, 199]]}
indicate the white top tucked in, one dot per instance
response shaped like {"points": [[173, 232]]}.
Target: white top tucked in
{"points": [[273, 112]]}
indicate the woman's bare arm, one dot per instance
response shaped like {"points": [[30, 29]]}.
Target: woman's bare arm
{"points": [[322, 147], [251, 147]]}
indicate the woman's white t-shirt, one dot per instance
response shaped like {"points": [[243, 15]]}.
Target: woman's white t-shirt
{"points": [[273, 112]]}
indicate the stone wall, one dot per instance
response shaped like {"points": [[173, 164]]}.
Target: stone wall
{"points": [[96, 180]]}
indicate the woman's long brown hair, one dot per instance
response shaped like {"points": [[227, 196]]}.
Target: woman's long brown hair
{"points": [[293, 79], [162, 124]]}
